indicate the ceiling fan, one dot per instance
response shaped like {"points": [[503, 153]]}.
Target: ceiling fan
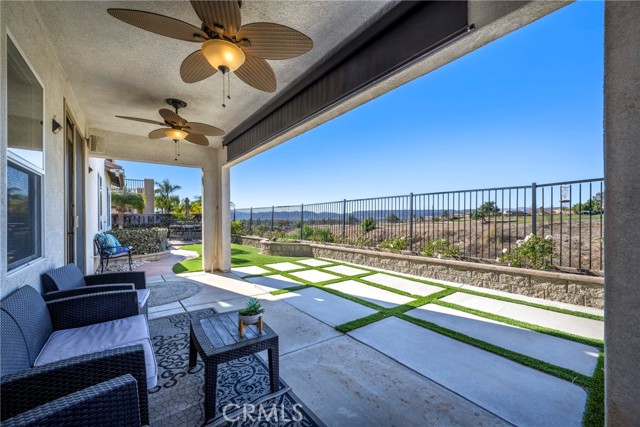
{"points": [[179, 128], [226, 45]]}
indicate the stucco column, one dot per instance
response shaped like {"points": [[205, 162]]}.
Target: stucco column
{"points": [[216, 234], [149, 196], [622, 204]]}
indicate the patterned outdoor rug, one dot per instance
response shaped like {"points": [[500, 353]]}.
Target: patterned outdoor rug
{"points": [[168, 292], [178, 398]]}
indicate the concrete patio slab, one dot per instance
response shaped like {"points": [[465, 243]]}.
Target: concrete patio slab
{"points": [[401, 284], [273, 283], [370, 293], [345, 270], [326, 307], [284, 266], [312, 262], [520, 395], [248, 271], [314, 276], [159, 314], [373, 390], [567, 354], [580, 308], [163, 307], [564, 322]]}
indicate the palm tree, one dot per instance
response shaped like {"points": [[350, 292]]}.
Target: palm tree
{"points": [[165, 199], [123, 201]]}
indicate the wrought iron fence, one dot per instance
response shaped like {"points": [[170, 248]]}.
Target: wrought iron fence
{"points": [[131, 186], [482, 222]]}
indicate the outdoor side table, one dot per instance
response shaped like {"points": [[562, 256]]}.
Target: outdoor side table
{"points": [[217, 340]]}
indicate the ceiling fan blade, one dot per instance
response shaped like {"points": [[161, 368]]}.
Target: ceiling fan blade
{"points": [[159, 24], [158, 133], [195, 68], [196, 138], [273, 41], [136, 119], [171, 117], [219, 13], [256, 72], [204, 129]]}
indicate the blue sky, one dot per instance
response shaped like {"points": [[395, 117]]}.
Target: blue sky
{"points": [[525, 108]]}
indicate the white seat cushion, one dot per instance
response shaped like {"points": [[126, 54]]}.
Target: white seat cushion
{"points": [[143, 296], [68, 343]]}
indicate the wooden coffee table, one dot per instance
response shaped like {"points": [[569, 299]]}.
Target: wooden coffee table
{"points": [[217, 340]]}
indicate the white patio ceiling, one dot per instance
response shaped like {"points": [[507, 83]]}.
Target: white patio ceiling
{"points": [[114, 68]]}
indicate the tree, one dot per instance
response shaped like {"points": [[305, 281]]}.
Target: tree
{"points": [[486, 210], [593, 206], [392, 217], [196, 206], [123, 201], [165, 199]]}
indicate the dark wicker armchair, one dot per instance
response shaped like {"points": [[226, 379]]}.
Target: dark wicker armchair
{"points": [[68, 281], [26, 324]]}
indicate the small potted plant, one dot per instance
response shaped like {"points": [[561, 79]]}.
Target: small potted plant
{"points": [[250, 315]]}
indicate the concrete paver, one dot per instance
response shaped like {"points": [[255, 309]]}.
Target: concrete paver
{"points": [[248, 271], [557, 351], [345, 270], [372, 294], [273, 283], [326, 307], [406, 285], [284, 266], [312, 262], [564, 322], [314, 276], [514, 392]]}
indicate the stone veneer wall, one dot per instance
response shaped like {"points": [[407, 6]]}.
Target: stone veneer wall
{"points": [[563, 287]]}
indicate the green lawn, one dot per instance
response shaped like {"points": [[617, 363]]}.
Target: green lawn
{"points": [[241, 256]]}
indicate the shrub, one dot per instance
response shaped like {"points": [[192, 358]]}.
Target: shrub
{"points": [[486, 210], [237, 227], [362, 242], [392, 217], [395, 245], [533, 252], [322, 235], [440, 248], [368, 224], [143, 240]]}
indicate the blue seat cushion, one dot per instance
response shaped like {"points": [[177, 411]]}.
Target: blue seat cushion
{"points": [[113, 244], [103, 241]]}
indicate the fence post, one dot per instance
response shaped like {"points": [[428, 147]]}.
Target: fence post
{"points": [[534, 209], [234, 214], [411, 222], [272, 211], [344, 219], [250, 220], [301, 219]]}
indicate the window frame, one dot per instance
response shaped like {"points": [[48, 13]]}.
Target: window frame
{"points": [[28, 166]]}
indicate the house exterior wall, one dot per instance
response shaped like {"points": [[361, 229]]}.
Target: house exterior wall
{"points": [[96, 220], [22, 21]]}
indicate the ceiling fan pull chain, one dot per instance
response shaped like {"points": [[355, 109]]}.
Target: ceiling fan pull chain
{"points": [[223, 91], [229, 86], [175, 150]]}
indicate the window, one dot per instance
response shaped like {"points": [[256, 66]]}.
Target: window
{"points": [[25, 161], [108, 207], [24, 215]]}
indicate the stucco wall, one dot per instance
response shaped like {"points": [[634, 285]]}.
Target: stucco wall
{"points": [[23, 22]]}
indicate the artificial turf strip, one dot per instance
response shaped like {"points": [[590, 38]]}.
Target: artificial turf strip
{"points": [[594, 410], [287, 290], [393, 311], [548, 368], [554, 332]]}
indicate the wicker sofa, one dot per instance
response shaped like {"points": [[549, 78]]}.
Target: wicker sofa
{"points": [[68, 281], [52, 349]]}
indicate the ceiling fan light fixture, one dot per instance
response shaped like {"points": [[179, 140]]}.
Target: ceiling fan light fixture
{"points": [[221, 53], [176, 134]]}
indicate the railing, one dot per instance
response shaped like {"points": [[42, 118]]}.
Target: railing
{"points": [[483, 222], [160, 220], [131, 186]]}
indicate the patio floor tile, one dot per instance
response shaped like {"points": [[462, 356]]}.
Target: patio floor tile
{"points": [[557, 351], [514, 392], [248, 271], [314, 262], [346, 383], [284, 266], [564, 322], [272, 283], [370, 293], [406, 285], [314, 276], [328, 308], [345, 270]]}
